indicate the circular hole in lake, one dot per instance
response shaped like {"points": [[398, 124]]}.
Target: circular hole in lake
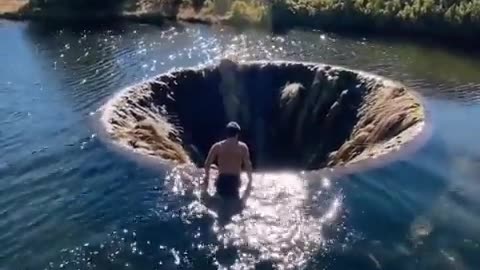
{"points": [[293, 115]]}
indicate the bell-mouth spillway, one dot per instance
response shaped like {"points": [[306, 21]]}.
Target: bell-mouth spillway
{"points": [[294, 115]]}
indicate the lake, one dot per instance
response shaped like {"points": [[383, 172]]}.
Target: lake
{"points": [[68, 201]]}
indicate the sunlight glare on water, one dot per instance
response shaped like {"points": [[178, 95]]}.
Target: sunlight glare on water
{"points": [[274, 227], [274, 224]]}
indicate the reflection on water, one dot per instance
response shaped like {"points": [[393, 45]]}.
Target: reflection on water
{"points": [[276, 225], [281, 225], [68, 202]]}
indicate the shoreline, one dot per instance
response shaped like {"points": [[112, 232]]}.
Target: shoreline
{"points": [[275, 19], [152, 18]]}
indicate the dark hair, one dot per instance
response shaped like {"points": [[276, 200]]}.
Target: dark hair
{"points": [[233, 129]]}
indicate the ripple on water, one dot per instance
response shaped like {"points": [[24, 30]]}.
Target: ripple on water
{"points": [[273, 228], [276, 223]]}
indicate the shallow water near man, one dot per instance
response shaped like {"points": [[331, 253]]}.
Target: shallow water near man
{"points": [[231, 155]]}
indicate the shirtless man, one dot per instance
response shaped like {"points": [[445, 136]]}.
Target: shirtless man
{"points": [[230, 155]]}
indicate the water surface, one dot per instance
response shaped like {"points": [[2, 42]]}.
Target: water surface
{"points": [[67, 201]]}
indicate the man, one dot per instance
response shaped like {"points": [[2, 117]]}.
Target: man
{"points": [[230, 155]]}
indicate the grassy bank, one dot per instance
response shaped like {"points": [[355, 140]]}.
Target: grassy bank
{"points": [[77, 10], [455, 19], [450, 19]]}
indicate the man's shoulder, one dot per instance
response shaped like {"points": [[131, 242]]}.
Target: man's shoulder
{"points": [[217, 144], [243, 145]]}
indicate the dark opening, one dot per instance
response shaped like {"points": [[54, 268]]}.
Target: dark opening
{"points": [[292, 115]]}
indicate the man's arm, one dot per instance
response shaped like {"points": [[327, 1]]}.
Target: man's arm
{"points": [[212, 155], [247, 163]]}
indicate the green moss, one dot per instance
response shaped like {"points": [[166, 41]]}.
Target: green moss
{"points": [[246, 12], [446, 18]]}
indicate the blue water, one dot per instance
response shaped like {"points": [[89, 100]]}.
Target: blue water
{"points": [[68, 201]]}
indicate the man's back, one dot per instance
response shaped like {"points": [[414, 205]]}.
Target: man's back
{"points": [[230, 156]]}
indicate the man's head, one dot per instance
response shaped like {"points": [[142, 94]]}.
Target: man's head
{"points": [[233, 129]]}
